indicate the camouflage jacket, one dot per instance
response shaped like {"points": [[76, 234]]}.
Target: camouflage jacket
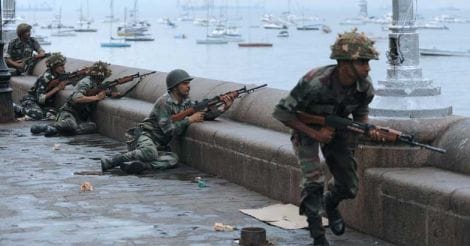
{"points": [[18, 50], [38, 92], [81, 111], [159, 124], [318, 92]]}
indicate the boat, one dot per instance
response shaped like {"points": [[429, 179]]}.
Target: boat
{"points": [[283, 34], [432, 25], [254, 45], [326, 29], [439, 52], [309, 27], [209, 40], [139, 38], [275, 26], [180, 36], [84, 21], [112, 44]]}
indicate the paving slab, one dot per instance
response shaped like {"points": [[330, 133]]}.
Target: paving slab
{"points": [[41, 202]]}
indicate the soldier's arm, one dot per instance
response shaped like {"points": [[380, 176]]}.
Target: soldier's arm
{"points": [[37, 47], [80, 91]]}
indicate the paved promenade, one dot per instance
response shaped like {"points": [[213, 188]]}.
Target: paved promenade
{"points": [[41, 202]]}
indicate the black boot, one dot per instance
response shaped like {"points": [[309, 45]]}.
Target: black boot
{"points": [[86, 128], [335, 220], [38, 128], [109, 163], [320, 241], [134, 167], [50, 131]]}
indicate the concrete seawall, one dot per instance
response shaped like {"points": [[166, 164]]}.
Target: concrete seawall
{"points": [[407, 195]]}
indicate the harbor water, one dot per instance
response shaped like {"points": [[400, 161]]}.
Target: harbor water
{"points": [[280, 66]]}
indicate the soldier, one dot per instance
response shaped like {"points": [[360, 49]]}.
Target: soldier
{"points": [[19, 55], [74, 115], [148, 147], [38, 104], [343, 89]]}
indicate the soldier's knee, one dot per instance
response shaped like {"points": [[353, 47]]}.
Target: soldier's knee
{"points": [[148, 153]]}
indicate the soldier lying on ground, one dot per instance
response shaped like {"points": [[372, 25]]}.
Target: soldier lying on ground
{"points": [[38, 104], [20, 50], [148, 144], [74, 115]]}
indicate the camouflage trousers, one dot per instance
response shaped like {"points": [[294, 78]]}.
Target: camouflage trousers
{"points": [[341, 164], [36, 111], [68, 124], [146, 150]]}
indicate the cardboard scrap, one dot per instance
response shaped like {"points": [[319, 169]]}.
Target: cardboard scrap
{"points": [[285, 216], [222, 227]]}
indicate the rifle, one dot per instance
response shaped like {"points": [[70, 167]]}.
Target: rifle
{"points": [[30, 62], [109, 84], [73, 76], [215, 101], [385, 133]]}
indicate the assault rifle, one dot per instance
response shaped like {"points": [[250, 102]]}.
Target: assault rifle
{"points": [[215, 101], [109, 84], [385, 133], [69, 77], [30, 62]]}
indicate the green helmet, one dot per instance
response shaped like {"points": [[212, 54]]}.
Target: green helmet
{"points": [[176, 77], [55, 59], [22, 28], [100, 69], [353, 46]]}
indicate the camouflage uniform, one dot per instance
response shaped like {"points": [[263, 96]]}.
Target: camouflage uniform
{"points": [[19, 50], [74, 118], [319, 92], [35, 104], [149, 142]]}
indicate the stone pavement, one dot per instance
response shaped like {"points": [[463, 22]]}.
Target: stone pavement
{"points": [[41, 202]]}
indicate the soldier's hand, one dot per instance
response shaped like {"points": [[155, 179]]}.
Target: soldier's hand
{"points": [[100, 96], [62, 85], [196, 117], [325, 134], [227, 100]]}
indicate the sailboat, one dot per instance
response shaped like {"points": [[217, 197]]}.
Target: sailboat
{"points": [[62, 33], [112, 44], [211, 39], [85, 21]]}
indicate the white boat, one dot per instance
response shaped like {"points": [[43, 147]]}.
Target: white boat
{"points": [[209, 40], [432, 25], [439, 52], [274, 26], [283, 34], [112, 43], [85, 21]]}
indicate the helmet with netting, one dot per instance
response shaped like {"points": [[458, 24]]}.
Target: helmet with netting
{"points": [[177, 77], [100, 69], [353, 46], [55, 59], [22, 28]]}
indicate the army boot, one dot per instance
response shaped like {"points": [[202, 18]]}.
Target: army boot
{"points": [[38, 128], [335, 220], [86, 128], [135, 167], [320, 241], [109, 163], [50, 131]]}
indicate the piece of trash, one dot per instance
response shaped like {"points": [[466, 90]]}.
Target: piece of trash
{"points": [[201, 183], [56, 146], [86, 186], [222, 227]]}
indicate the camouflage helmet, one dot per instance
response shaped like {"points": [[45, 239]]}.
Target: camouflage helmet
{"points": [[177, 77], [55, 59], [100, 69], [353, 46], [22, 28]]}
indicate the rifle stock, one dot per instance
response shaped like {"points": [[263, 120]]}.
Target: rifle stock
{"points": [[217, 100], [385, 133]]}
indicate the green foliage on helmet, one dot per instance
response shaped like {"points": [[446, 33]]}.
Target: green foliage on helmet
{"points": [[176, 77], [22, 28], [100, 69], [55, 59], [353, 46]]}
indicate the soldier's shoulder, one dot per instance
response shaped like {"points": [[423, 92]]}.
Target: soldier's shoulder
{"points": [[318, 76]]}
